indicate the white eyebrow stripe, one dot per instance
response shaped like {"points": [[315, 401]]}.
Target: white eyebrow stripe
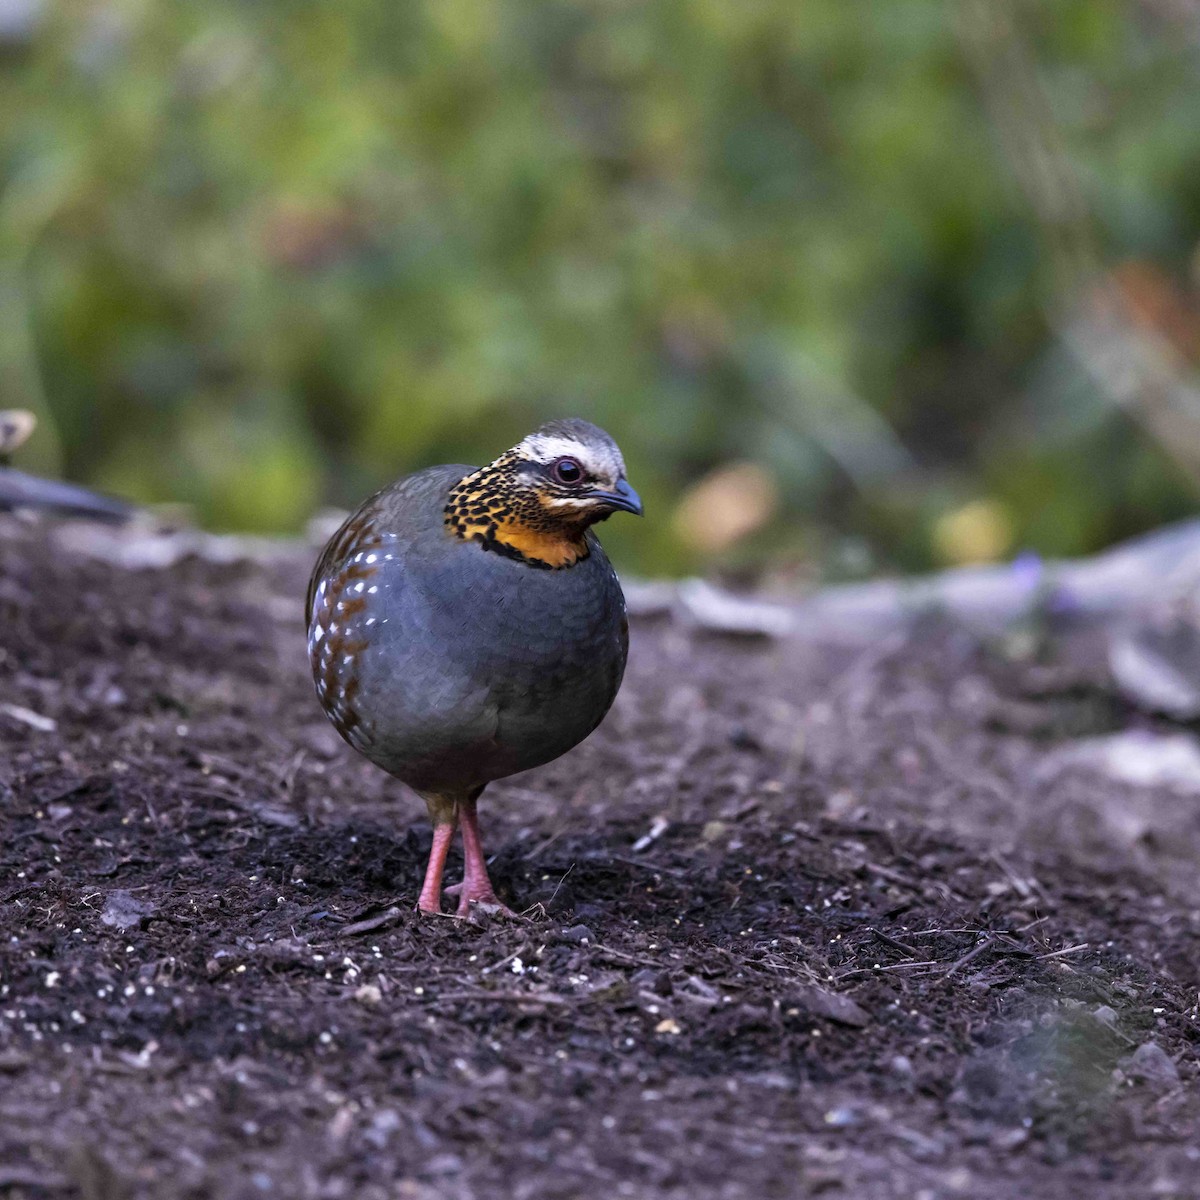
{"points": [[542, 447]]}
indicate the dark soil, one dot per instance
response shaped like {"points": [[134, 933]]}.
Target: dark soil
{"points": [[801, 920]]}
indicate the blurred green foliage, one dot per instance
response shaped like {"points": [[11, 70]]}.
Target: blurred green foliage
{"points": [[263, 256]]}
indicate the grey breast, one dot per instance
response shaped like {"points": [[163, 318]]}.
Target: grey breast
{"points": [[475, 665]]}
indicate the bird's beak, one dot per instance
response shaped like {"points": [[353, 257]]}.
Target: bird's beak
{"points": [[621, 499]]}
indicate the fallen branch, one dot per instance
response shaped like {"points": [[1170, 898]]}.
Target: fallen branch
{"points": [[1131, 576]]}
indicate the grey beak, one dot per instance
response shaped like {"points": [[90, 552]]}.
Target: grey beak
{"points": [[621, 499]]}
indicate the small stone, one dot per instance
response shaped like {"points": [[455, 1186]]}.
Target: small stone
{"points": [[833, 1006], [578, 934], [369, 995], [1167, 1188], [841, 1118], [1152, 1065], [383, 1125], [959, 1180], [1008, 1140], [123, 910]]}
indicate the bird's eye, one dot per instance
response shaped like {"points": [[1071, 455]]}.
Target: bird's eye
{"points": [[568, 470]]}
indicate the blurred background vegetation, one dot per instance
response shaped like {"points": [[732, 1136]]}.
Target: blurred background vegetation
{"points": [[856, 286]]}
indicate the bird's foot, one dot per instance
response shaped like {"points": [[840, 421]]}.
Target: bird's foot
{"points": [[473, 910], [480, 899]]}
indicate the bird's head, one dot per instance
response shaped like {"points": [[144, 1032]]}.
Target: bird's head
{"points": [[575, 471], [537, 501]]}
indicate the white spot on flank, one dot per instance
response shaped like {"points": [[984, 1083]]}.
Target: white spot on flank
{"points": [[372, 557], [358, 587], [371, 590]]}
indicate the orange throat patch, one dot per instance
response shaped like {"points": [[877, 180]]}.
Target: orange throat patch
{"points": [[493, 508]]}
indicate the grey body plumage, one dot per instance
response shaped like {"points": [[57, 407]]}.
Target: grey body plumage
{"points": [[475, 665]]}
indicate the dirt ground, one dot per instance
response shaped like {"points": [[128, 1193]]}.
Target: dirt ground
{"points": [[801, 920]]}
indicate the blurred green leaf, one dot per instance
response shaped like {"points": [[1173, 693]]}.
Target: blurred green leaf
{"points": [[259, 257]]}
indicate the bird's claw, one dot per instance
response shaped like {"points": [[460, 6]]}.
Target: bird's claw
{"points": [[471, 908]]}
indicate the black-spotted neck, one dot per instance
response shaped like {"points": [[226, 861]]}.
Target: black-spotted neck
{"points": [[497, 507]]}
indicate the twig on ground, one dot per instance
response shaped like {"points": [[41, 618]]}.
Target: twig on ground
{"points": [[558, 885], [1063, 951], [878, 969], [895, 945], [547, 999], [643, 865], [522, 949], [388, 917], [971, 955], [624, 957]]}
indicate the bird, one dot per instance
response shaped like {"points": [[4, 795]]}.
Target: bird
{"points": [[465, 624], [23, 492]]}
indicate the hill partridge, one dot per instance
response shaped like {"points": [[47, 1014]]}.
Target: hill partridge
{"points": [[465, 624]]}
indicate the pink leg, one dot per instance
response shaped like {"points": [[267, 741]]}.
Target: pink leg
{"points": [[430, 900], [476, 887]]}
